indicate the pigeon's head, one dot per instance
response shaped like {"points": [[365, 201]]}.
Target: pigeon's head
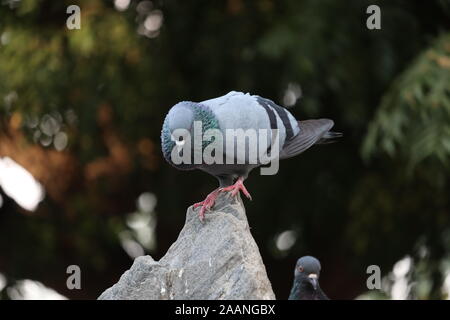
{"points": [[308, 269], [181, 116], [176, 131], [184, 122]]}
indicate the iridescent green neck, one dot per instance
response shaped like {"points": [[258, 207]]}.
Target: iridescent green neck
{"points": [[167, 143], [209, 121], [201, 113]]}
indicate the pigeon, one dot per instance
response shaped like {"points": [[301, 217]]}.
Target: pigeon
{"points": [[277, 133], [306, 280]]}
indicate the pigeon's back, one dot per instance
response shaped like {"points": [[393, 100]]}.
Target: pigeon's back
{"points": [[237, 110]]}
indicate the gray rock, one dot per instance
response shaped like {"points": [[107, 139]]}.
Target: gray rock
{"points": [[216, 259]]}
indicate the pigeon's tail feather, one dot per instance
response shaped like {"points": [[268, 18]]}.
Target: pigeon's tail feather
{"points": [[330, 137], [311, 132]]}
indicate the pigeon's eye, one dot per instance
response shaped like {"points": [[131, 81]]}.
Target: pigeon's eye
{"points": [[180, 138], [300, 269]]}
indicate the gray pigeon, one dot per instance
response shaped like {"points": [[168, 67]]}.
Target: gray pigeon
{"points": [[306, 280], [277, 135]]}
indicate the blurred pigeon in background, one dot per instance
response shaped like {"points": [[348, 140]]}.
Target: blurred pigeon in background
{"points": [[237, 111], [306, 280]]}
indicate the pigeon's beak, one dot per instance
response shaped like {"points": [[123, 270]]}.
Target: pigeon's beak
{"points": [[313, 280]]}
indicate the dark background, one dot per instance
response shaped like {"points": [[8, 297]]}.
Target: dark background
{"points": [[377, 196]]}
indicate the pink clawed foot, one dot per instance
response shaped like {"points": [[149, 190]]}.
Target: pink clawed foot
{"points": [[207, 203], [235, 188]]}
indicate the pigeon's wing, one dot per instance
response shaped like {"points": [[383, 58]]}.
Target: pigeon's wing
{"points": [[280, 118], [240, 111], [311, 131], [237, 110]]}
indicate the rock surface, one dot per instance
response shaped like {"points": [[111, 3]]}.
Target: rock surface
{"points": [[216, 259]]}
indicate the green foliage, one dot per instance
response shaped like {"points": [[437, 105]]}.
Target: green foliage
{"points": [[414, 116]]}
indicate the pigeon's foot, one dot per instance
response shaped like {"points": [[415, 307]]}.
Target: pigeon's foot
{"points": [[210, 200], [207, 203], [238, 186]]}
